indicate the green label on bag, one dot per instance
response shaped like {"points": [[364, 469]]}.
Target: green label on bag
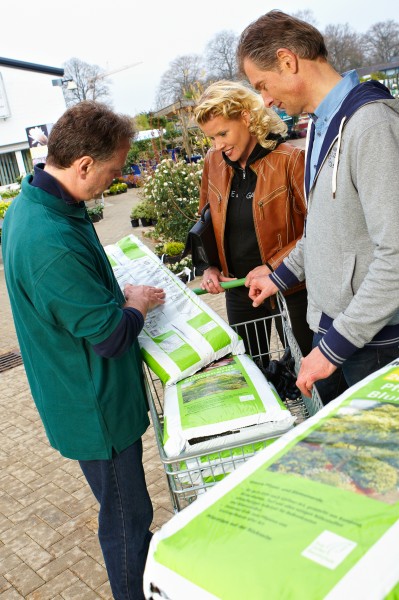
{"points": [[178, 350], [316, 508], [130, 249], [221, 394], [234, 452], [155, 366], [215, 335]]}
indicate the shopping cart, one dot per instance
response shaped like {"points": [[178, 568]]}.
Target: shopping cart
{"points": [[193, 473]]}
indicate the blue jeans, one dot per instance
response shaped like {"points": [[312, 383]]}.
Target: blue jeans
{"points": [[362, 362], [124, 518]]}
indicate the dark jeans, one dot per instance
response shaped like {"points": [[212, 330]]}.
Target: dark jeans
{"points": [[124, 518], [362, 362], [240, 309]]}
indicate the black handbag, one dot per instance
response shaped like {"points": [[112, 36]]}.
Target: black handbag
{"points": [[201, 243]]}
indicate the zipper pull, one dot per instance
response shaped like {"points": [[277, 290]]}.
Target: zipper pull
{"points": [[243, 174]]}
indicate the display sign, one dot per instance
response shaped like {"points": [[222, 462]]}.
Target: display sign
{"points": [[37, 138]]}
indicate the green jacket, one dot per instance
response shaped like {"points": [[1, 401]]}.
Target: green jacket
{"points": [[65, 299]]}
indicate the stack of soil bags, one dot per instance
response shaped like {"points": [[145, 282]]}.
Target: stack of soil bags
{"points": [[314, 515]]}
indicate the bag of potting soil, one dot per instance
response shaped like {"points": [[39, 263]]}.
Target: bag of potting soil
{"points": [[227, 402], [315, 515], [184, 334]]}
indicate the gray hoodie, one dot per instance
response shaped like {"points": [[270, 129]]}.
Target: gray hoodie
{"points": [[350, 248]]}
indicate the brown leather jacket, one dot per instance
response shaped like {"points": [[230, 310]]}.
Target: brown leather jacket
{"points": [[279, 206]]}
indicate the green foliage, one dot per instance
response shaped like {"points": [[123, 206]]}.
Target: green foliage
{"points": [[117, 188], [173, 248], [95, 210], [9, 194], [3, 208], [137, 211], [143, 210], [174, 189]]}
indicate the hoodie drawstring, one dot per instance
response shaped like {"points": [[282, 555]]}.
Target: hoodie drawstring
{"points": [[336, 159]]}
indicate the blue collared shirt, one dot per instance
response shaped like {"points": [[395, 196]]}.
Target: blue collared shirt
{"points": [[324, 113], [49, 184]]}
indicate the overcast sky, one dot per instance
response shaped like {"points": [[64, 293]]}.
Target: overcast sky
{"points": [[116, 33]]}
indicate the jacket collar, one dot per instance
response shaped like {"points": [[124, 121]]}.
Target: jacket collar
{"points": [[257, 153], [53, 200]]}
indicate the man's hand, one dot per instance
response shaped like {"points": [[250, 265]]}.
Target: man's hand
{"points": [[261, 271], [314, 366], [260, 289], [143, 297]]}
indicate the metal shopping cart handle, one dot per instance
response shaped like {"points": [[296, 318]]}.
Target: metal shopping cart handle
{"points": [[226, 285]]}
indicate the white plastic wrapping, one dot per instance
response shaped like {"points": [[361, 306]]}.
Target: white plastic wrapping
{"points": [[184, 334], [229, 396]]}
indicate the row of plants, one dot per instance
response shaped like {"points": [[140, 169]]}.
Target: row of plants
{"points": [[145, 212], [118, 187]]}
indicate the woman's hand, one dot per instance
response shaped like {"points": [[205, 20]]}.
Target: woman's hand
{"points": [[211, 280], [260, 271]]}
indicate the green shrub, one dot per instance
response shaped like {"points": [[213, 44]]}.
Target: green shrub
{"points": [[143, 210], [117, 188], [3, 208], [9, 194], [173, 248], [173, 188]]}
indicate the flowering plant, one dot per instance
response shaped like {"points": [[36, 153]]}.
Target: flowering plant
{"points": [[173, 188], [183, 269]]}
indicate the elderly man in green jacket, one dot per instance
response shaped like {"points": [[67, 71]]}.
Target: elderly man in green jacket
{"points": [[78, 332]]}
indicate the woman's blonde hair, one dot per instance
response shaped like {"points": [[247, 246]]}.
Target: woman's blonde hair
{"points": [[229, 99]]}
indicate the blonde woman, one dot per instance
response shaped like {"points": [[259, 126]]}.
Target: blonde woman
{"points": [[253, 181]]}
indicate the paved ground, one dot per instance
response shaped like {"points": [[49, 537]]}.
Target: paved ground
{"points": [[48, 516]]}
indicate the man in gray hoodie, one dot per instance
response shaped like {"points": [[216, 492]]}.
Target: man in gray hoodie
{"points": [[349, 251]]}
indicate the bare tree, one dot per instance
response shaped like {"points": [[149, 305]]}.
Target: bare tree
{"points": [[344, 47], [183, 73], [306, 15], [221, 55], [89, 81], [382, 42]]}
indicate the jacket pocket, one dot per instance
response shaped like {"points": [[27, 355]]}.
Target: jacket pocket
{"points": [[266, 200], [347, 275], [214, 196]]}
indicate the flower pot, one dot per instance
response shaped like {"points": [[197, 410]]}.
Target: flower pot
{"points": [[145, 222], [167, 258], [154, 221], [95, 218], [135, 222]]}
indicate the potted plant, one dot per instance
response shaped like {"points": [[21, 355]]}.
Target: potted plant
{"points": [[183, 268], [172, 252], [149, 215], [135, 215], [95, 213]]}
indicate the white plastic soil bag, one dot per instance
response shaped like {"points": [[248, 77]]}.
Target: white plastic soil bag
{"points": [[184, 334], [228, 396], [313, 516]]}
